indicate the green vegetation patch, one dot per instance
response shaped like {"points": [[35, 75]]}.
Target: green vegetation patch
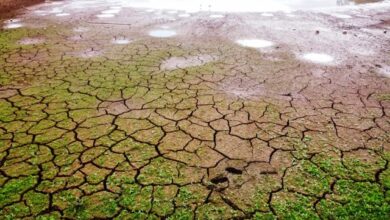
{"points": [[355, 200], [12, 190]]}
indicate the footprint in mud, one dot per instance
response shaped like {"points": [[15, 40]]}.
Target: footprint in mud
{"points": [[219, 179], [233, 170], [268, 172]]}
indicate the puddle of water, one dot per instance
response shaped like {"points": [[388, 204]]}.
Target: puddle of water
{"points": [[16, 20], [255, 43], [217, 16], [121, 41], [318, 58], [105, 15], [13, 24], [162, 33], [111, 11], [240, 6]]}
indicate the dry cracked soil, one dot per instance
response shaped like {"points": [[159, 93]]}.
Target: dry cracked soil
{"points": [[117, 112]]}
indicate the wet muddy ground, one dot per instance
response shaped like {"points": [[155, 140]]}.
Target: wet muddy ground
{"points": [[8, 6], [110, 111]]}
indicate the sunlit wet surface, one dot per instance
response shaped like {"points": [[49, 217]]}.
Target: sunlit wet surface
{"points": [[105, 15], [255, 43], [121, 41], [242, 6], [163, 33], [318, 58], [13, 25], [111, 11], [217, 16]]}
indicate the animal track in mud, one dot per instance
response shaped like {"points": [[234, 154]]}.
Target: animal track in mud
{"points": [[219, 180], [233, 170]]}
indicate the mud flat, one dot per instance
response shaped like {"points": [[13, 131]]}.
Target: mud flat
{"points": [[112, 111], [7, 6]]}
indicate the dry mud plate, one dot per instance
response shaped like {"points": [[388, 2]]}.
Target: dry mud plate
{"points": [[109, 111]]}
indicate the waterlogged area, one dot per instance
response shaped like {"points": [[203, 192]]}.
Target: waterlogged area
{"points": [[243, 5], [135, 109]]}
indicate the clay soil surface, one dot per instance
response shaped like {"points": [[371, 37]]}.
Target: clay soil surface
{"points": [[109, 111]]}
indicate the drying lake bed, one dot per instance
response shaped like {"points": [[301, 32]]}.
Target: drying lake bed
{"points": [[195, 110]]}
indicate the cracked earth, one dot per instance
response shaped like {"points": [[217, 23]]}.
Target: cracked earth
{"points": [[98, 119]]}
